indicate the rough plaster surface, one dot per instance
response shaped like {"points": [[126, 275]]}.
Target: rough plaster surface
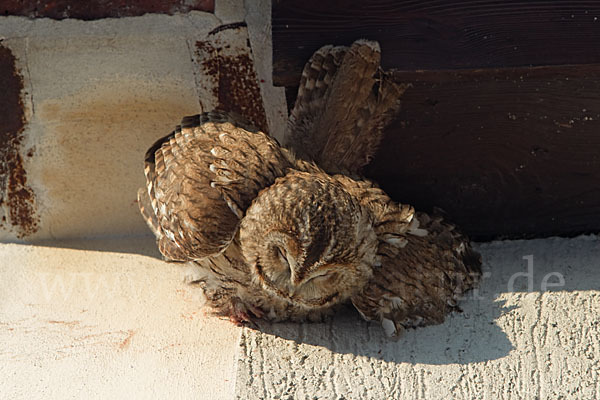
{"points": [[525, 343], [107, 319]]}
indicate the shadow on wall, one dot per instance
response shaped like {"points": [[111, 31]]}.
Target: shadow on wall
{"points": [[517, 268], [142, 245]]}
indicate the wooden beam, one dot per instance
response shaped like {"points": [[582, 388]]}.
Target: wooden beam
{"points": [[511, 152], [438, 34]]}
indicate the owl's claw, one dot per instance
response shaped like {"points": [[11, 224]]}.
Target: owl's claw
{"points": [[257, 312], [242, 318], [246, 315]]}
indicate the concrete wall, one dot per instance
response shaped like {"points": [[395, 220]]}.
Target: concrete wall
{"points": [[97, 94]]}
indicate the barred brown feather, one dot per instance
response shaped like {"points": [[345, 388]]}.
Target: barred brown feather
{"points": [[274, 236], [344, 102], [203, 176], [426, 264]]}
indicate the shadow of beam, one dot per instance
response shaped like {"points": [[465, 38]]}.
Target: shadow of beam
{"points": [[142, 245]]}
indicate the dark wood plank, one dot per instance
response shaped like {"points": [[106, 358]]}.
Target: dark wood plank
{"points": [[505, 152], [439, 34]]}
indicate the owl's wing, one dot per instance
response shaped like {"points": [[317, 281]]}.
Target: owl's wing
{"points": [[145, 205], [303, 134], [392, 220], [169, 249], [202, 177], [344, 102], [420, 283]]}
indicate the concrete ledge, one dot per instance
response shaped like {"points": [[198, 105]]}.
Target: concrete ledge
{"points": [[107, 319], [97, 94]]}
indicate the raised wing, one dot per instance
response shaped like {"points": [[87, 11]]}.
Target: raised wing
{"points": [[203, 176], [344, 102]]}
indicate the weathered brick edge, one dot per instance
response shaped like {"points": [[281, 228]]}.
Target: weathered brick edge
{"points": [[97, 9], [17, 200]]}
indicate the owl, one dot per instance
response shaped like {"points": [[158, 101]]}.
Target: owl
{"points": [[200, 179], [272, 236], [292, 233]]}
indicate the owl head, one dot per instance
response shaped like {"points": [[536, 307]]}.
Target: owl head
{"points": [[308, 241]]}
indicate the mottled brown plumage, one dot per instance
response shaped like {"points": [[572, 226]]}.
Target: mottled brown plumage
{"points": [[308, 241], [200, 180], [224, 197], [420, 283], [202, 177]]}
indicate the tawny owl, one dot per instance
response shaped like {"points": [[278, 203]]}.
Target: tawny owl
{"points": [[277, 237], [344, 102], [273, 237]]}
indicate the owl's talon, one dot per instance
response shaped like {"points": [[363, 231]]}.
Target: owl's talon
{"points": [[242, 318], [256, 311]]}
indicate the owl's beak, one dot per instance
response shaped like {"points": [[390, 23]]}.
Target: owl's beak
{"points": [[294, 284], [295, 280], [292, 291]]}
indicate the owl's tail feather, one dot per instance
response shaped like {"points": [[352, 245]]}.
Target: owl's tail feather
{"points": [[344, 102]]}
